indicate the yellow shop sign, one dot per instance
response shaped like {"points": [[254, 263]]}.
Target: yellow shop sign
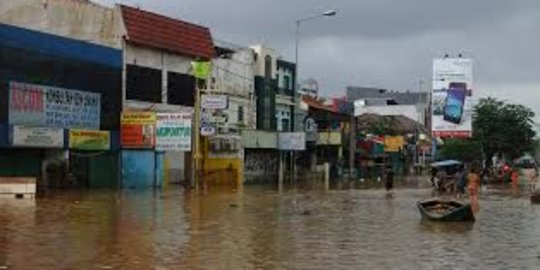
{"points": [[89, 139]]}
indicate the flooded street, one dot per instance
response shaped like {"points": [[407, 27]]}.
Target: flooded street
{"points": [[260, 228]]}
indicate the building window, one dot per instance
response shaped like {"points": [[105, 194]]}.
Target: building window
{"points": [[268, 66], [286, 82], [180, 89], [143, 83], [267, 112], [240, 114], [285, 125]]}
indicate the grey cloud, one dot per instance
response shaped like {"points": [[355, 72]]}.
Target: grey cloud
{"points": [[383, 43], [369, 18]]}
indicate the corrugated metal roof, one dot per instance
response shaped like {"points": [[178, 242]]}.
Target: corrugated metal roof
{"points": [[157, 31]]}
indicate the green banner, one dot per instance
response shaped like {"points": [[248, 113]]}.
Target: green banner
{"points": [[201, 70]]}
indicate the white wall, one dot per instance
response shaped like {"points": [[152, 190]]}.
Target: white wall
{"points": [[235, 76], [158, 59], [232, 111], [76, 19], [262, 52]]}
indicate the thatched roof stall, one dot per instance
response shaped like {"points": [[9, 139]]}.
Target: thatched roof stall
{"points": [[388, 125]]}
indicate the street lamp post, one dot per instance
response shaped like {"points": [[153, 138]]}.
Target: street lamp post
{"points": [[328, 13]]}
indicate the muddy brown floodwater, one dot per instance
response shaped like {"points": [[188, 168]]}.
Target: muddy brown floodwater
{"points": [[261, 228]]}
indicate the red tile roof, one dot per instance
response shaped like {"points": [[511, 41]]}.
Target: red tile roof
{"points": [[157, 31], [316, 104]]}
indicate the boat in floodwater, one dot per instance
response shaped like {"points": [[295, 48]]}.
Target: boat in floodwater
{"points": [[445, 210]]}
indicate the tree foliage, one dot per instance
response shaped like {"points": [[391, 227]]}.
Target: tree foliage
{"points": [[465, 150], [501, 127]]}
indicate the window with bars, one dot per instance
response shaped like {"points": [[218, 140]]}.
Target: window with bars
{"points": [[240, 114]]}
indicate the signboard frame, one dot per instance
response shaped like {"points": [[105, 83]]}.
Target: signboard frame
{"points": [[48, 106], [138, 129], [214, 102], [95, 140], [36, 137], [292, 141], [174, 131]]}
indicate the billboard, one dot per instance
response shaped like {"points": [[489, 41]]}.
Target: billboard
{"points": [[214, 102], [138, 129], [451, 98], [173, 131], [39, 105]]}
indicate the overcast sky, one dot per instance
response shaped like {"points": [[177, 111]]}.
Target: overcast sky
{"points": [[384, 43]]}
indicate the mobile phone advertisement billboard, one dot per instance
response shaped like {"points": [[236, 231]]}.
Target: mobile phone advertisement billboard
{"points": [[452, 98]]}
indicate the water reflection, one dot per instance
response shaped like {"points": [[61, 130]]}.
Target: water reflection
{"points": [[259, 227], [445, 227]]}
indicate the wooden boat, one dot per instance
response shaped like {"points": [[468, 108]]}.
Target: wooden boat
{"points": [[535, 197], [445, 210]]}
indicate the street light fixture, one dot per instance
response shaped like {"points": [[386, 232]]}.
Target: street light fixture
{"points": [[328, 13]]}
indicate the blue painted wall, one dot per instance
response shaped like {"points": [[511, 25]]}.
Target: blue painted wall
{"points": [[21, 38], [160, 168], [138, 168]]}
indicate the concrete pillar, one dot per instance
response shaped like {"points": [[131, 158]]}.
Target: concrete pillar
{"points": [[164, 80], [352, 147], [281, 173], [326, 176]]}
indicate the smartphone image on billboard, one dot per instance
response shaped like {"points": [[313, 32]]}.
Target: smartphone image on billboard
{"points": [[460, 85], [455, 101]]}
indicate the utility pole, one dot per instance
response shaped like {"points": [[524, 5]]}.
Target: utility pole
{"points": [[196, 136], [328, 13], [352, 144]]}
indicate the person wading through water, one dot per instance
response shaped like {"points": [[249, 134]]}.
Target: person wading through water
{"points": [[473, 184], [389, 181], [461, 181]]}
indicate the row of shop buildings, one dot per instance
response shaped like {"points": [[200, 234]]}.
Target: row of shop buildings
{"points": [[104, 97], [97, 96]]}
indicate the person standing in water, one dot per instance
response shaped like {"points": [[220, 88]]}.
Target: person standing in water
{"points": [[461, 181], [473, 184], [531, 173], [515, 177], [389, 181]]}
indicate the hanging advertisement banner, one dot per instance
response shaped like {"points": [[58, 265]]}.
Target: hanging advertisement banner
{"points": [[451, 97], [42, 137], [89, 139], [138, 129], [292, 141], [39, 105], [173, 131], [214, 102], [393, 143]]}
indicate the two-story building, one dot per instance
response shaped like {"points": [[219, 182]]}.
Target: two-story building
{"points": [[232, 79], [158, 52], [275, 81]]}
